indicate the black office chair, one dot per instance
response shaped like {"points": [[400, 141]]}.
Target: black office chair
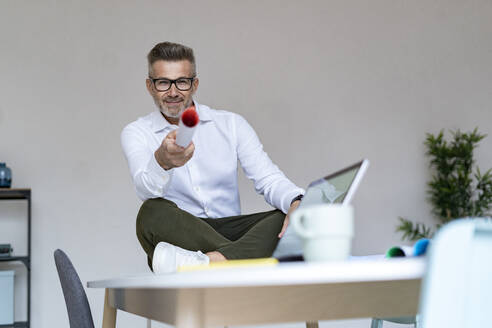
{"points": [[79, 311]]}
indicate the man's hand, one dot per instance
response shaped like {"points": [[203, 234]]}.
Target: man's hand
{"points": [[170, 155], [292, 208]]}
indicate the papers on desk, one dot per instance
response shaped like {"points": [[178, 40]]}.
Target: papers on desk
{"points": [[262, 262], [248, 263]]}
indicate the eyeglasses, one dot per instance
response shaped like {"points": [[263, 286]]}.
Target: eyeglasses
{"points": [[182, 84]]}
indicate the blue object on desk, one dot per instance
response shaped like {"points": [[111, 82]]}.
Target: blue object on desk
{"points": [[420, 247]]}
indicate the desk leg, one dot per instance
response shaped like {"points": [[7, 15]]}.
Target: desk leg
{"points": [[312, 324], [109, 315], [189, 309]]}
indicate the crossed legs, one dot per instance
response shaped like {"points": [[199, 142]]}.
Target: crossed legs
{"points": [[236, 237]]}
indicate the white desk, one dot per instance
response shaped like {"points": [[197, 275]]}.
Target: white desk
{"points": [[291, 292]]}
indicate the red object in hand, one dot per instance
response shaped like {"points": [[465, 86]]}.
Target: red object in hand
{"points": [[190, 117]]}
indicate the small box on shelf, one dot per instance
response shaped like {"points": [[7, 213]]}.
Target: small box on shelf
{"points": [[5, 250]]}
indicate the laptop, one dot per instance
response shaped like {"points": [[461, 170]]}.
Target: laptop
{"points": [[336, 188]]}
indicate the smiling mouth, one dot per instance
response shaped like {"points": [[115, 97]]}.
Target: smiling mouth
{"points": [[171, 102]]}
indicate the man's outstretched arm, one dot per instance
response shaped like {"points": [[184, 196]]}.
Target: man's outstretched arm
{"points": [[152, 170]]}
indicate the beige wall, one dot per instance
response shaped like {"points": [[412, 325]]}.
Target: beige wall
{"points": [[324, 83]]}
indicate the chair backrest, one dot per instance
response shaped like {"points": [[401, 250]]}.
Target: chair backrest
{"points": [[79, 311], [457, 288]]}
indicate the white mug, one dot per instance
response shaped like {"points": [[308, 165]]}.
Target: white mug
{"points": [[326, 231]]}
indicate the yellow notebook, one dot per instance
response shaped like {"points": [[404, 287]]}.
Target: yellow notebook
{"points": [[248, 263]]}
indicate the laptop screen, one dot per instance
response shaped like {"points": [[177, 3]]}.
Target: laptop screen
{"points": [[331, 189]]}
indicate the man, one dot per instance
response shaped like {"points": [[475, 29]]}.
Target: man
{"points": [[191, 210]]}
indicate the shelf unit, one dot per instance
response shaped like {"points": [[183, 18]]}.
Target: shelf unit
{"points": [[21, 194]]}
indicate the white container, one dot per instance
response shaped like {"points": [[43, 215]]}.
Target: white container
{"points": [[326, 231], [6, 297]]}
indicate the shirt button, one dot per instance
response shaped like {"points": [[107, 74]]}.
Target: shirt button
{"points": [[197, 188]]}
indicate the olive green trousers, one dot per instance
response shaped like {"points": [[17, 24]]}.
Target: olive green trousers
{"points": [[235, 237]]}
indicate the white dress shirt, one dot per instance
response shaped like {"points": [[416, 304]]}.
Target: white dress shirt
{"points": [[206, 186]]}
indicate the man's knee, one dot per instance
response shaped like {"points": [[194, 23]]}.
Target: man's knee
{"points": [[152, 213], [145, 215]]}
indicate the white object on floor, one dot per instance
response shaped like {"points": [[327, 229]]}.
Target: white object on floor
{"points": [[167, 258]]}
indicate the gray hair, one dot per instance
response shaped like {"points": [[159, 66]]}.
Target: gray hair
{"points": [[169, 51]]}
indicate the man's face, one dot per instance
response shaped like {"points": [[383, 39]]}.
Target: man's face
{"points": [[173, 101]]}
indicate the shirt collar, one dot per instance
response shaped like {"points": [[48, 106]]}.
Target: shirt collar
{"points": [[159, 123], [203, 113]]}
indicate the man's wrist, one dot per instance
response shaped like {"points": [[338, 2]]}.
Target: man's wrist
{"points": [[161, 163], [298, 197]]}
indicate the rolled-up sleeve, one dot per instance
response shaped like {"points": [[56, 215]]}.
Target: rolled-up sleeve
{"points": [[269, 181], [149, 178]]}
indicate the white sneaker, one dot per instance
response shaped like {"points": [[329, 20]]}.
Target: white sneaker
{"points": [[167, 258]]}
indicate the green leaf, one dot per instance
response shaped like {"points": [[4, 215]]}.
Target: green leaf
{"points": [[413, 232], [454, 191]]}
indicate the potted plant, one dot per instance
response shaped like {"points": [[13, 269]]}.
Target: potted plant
{"points": [[456, 189]]}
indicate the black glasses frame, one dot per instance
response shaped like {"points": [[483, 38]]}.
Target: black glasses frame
{"points": [[171, 82]]}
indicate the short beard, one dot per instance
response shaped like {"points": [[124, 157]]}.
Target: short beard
{"points": [[166, 112]]}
